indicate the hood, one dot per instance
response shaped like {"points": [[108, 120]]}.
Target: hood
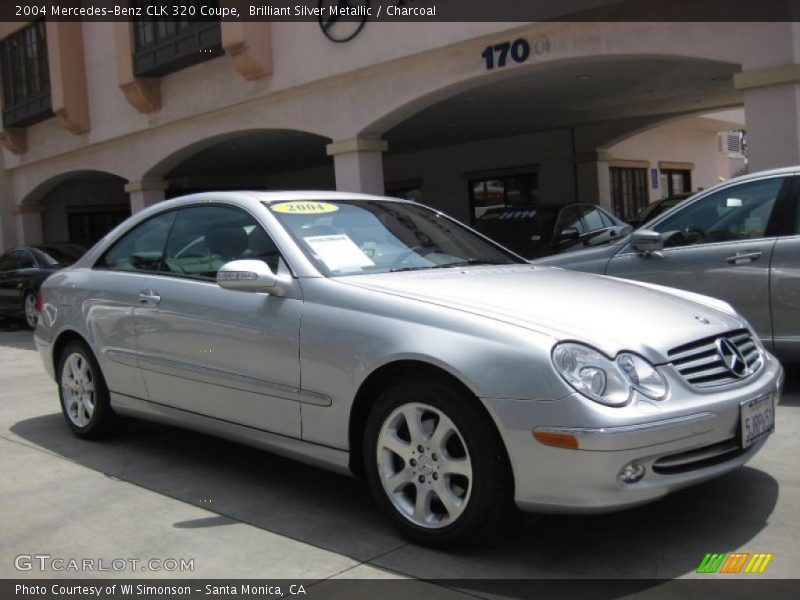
{"points": [[610, 314]]}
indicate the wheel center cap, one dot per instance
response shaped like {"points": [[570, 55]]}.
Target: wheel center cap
{"points": [[425, 465]]}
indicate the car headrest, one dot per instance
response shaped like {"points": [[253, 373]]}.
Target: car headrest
{"points": [[227, 241]]}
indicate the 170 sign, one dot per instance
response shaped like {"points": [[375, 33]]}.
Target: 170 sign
{"points": [[518, 51]]}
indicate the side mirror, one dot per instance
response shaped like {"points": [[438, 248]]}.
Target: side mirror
{"points": [[249, 276], [646, 241], [568, 233]]}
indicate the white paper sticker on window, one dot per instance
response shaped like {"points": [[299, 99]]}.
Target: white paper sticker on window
{"points": [[339, 252]]}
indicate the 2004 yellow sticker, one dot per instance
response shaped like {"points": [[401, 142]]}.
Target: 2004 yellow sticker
{"points": [[305, 208]]}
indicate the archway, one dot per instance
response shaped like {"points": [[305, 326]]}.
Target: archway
{"points": [[261, 159], [79, 207]]}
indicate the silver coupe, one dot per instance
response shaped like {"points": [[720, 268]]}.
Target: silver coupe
{"points": [[381, 338]]}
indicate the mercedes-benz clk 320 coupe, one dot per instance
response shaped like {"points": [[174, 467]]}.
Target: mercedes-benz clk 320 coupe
{"points": [[379, 337]]}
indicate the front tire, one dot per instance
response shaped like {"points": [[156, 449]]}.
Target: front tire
{"points": [[435, 463], [84, 396]]}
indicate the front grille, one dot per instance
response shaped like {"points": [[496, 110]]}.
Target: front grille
{"points": [[701, 365], [700, 458]]}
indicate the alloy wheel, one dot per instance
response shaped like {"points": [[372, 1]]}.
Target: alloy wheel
{"points": [[424, 465], [31, 317], [78, 390]]}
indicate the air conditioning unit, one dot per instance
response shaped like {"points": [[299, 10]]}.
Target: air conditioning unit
{"points": [[729, 143]]}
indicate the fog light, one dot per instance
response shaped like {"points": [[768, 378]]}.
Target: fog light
{"points": [[631, 473]]}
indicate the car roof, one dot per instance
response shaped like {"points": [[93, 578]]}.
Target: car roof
{"points": [[283, 196]]}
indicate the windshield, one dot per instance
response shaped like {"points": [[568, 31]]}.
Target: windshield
{"points": [[374, 236]]}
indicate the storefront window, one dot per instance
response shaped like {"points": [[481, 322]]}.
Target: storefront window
{"points": [[629, 192], [411, 192], [679, 181], [507, 191]]}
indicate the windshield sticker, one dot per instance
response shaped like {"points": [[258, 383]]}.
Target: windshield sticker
{"points": [[339, 252], [304, 208]]}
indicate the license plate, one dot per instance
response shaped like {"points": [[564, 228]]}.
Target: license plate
{"points": [[758, 419]]}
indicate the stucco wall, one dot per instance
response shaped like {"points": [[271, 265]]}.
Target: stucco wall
{"points": [[675, 142]]}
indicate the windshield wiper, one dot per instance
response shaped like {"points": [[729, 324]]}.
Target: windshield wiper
{"points": [[398, 269], [460, 263], [474, 261]]}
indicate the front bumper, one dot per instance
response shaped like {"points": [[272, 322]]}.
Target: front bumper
{"points": [[688, 439]]}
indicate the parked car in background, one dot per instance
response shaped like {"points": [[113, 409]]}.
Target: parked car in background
{"points": [[23, 269], [534, 231], [654, 209], [380, 337], [738, 241]]}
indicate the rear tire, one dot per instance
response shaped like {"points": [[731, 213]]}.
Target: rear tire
{"points": [[436, 464], [85, 401], [29, 310]]}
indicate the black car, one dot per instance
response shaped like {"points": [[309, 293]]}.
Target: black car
{"points": [[536, 231], [22, 271], [651, 211]]}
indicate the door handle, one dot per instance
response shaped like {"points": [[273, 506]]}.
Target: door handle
{"points": [[149, 297], [742, 257]]}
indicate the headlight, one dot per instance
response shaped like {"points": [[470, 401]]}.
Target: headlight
{"points": [[592, 374], [605, 381], [643, 376]]}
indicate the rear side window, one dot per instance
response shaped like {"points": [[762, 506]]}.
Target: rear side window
{"points": [[142, 248], [24, 259], [204, 238]]}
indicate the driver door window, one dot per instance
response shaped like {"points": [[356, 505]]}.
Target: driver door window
{"points": [[593, 219], [206, 237], [570, 218], [736, 213], [142, 248]]}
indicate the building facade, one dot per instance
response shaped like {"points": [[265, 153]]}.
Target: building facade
{"points": [[102, 119]]}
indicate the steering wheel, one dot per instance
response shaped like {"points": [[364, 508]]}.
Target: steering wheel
{"points": [[698, 234], [405, 255]]}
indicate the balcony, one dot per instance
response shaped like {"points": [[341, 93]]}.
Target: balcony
{"points": [[26, 77], [164, 47]]}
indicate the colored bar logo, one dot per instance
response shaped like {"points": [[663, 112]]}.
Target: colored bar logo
{"points": [[734, 562]]}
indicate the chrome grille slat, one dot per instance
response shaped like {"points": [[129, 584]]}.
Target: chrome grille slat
{"points": [[693, 352], [747, 346], [719, 370], [752, 356], [701, 366], [691, 364]]}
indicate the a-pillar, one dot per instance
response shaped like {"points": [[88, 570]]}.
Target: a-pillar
{"points": [[772, 114], [358, 164], [145, 193]]}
